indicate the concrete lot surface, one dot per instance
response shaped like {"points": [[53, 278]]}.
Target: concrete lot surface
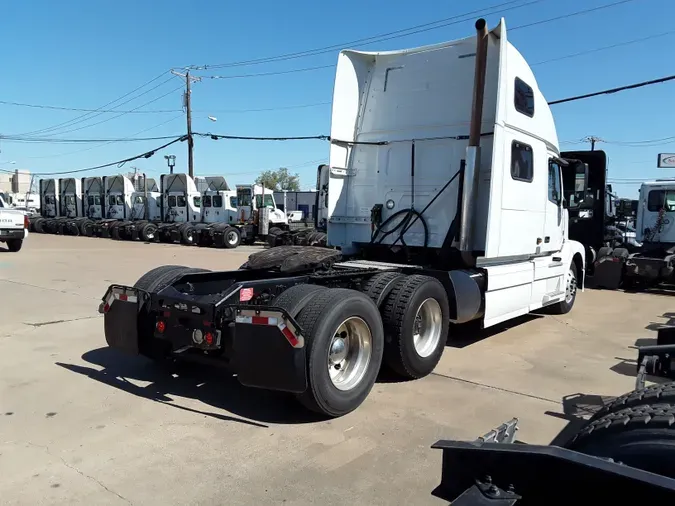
{"points": [[81, 424]]}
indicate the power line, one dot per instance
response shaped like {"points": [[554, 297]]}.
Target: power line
{"points": [[604, 48], [49, 140], [577, 13], [264, 74], [159, 111], [84, 117], [572, 14], [109, 142], [643, 143], [216, 137], [58, 108], [613, 90], [282, 108], [442, 23], [119, 163], [119, 115]]}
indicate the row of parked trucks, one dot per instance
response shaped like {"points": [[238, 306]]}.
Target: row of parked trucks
{"points": [[173, 211]]}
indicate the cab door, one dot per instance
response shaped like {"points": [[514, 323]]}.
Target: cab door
{"points": [[553, 224]]}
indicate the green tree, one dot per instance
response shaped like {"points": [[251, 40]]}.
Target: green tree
{"points": [[279, 180]]}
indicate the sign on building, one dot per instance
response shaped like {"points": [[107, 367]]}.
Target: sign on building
{"points": [[666, 161]]}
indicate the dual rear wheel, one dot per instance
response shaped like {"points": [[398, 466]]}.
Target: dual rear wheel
{"points": [[348, 337]]}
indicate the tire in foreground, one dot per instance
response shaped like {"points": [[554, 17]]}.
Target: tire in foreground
{"points": [[344, 339], [641, 436], [416, 319]]}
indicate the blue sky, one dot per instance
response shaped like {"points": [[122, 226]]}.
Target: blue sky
{"points": [[84, 54]]}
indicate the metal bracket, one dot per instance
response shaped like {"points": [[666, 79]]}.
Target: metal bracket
{"points": [[341, 171], [361, 220]]}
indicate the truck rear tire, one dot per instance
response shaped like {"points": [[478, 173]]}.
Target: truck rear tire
{"points": [[231, 237], [566, 305], [149, 232], [641, 436], [620, 253], [605, 251], [344, 340], [294, 299], [146, 281], [87, 228], [73, 229], [37, 225], [380, 285], [14, 245], [115, 231], [654, 394], [416, 319], [187, 234]]}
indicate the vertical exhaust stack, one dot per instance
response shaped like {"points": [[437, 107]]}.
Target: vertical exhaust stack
{"points": [[472, 165], [146, 204]]}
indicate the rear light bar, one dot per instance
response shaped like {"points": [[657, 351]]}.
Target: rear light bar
{"points": [[121, 294], [26, 221], [273, 319]]}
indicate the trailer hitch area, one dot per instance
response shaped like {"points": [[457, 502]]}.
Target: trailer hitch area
{"points": [[270, 349], [120, 308], [657, 360], [488, 471]]}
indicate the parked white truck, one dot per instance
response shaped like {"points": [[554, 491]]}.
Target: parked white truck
{"points": [[13, 226], [446, 203]]}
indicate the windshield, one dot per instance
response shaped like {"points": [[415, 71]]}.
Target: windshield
{"points": [[206, 201], [661, 199], [269, 202]]}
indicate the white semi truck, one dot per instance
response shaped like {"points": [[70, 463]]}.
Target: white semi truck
{"points": [[654, 263], [219, 220], [445, 200]]}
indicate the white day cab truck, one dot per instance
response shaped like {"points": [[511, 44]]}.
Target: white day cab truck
{"points": [[436, 225], [13, 226], [654, 263], [259, 217]]}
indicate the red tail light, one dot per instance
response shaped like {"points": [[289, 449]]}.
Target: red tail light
{"points": [[208, 338], [26, 222], [160, 326]]}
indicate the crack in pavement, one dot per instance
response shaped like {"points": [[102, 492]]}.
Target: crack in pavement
{"points": [[492, 387], [569, 325], [54, 322], [81, 473], [49, 289]]}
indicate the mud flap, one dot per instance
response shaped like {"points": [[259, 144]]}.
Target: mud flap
{"points": [[120, 320], [265, 358]]}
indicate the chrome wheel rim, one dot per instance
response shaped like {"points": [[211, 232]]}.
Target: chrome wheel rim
{"points": [[427, 327], [349, 353], [571, 288], [232, 238]]}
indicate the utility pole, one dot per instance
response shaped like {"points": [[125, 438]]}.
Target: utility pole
{"points": [[188, 114], [592, 139]]}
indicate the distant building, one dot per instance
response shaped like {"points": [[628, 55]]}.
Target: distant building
{"points": [[304, 201], [17, 182]]}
